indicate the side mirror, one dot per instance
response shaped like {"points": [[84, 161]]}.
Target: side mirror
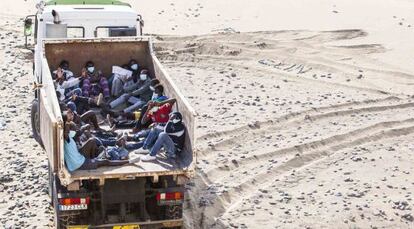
{"points": [[28, 25], [28, 29]]}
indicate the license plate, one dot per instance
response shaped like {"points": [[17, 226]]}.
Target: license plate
{"points": [[73, 207], [78, 227], [135, 226]]}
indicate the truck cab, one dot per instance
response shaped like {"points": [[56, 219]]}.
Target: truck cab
{"points": [[79, 19]]}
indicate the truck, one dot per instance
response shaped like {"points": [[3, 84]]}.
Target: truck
{"points": [[141, 195]]}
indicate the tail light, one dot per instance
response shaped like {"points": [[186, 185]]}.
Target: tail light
{"points": [[70, 204], [72, 201], [170, 198]]}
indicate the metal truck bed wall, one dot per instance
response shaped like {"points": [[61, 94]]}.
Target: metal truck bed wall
{"points": [[106, 52]]}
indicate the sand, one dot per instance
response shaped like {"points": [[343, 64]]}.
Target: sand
{"points": [[306, 112]]}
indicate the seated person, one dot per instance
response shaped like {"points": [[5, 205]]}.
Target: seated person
{"points": [[80, 159], [67, 74], [120, 80], [88, 117], [158, 98], [132, 83], [138, 97], [66, 87], [129, 119], [171, 139], [94, 82], [159, 114]]}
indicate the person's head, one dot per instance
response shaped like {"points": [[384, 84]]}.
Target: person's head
{"points": [[90, 66], [125, 66], [143, 75], [159, 90], [64, 64], [133, 65], [71, 106], [176, 117], [67, 125], [69, 114]]}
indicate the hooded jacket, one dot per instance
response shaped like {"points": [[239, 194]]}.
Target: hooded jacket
{"points": [[176, 131]]}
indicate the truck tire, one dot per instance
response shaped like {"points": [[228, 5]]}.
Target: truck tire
{"points": [[35, 118], [50, 176], [56, 218]]}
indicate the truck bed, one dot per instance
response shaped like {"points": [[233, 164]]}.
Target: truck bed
{"points": [[162, 166], [121, 51]]}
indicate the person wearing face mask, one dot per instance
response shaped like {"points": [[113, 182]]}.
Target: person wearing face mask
{"points": [[138, 97], [133, 81], [94, 82], [158, 99], [171, 139], [83, 158], [121, 78], [158, 113]]}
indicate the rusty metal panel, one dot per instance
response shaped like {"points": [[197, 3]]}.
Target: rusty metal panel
{"points": [[48, 129], [106, 52], [184, 107], [103, 52]]}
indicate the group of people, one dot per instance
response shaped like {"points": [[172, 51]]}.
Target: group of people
{"points": [[148, 112]]}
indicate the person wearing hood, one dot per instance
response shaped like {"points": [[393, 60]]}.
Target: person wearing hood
{"points": [[138, 97], [171, 139]]}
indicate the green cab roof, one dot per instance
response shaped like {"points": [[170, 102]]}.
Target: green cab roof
{"points": [[87, 2]]}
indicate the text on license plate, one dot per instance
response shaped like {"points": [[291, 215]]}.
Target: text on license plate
{"points": [[73, 207], [135, 226]]}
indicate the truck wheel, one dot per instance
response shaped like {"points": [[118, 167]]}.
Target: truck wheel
{"points": [[56, 217], [50, 183], [35, 118]]}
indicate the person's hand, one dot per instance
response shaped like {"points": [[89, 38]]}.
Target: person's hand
{"points": [[59, 73], [86, 127], [84, 72]]}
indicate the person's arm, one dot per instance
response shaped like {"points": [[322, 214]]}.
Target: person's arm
{"points": [[68, 127], [170, 101], [146, 116], [70, 83], [144, 88]]}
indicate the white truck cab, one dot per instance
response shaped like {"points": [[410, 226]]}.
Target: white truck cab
{"points": [[79, 19]]}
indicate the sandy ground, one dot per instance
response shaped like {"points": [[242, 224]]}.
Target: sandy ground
{"points": [[308, 123]]}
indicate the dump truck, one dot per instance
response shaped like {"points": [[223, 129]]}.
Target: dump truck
{"points": [[141, 195]]}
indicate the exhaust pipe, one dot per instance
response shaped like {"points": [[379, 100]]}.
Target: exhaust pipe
{"points": [[56, 18]]}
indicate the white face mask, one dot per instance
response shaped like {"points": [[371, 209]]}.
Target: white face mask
{"points": [[91, 69], [154, 96], [152, 88], [143, 77], [72, 134], [175, 121], [134, 67], [154, 109]]}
